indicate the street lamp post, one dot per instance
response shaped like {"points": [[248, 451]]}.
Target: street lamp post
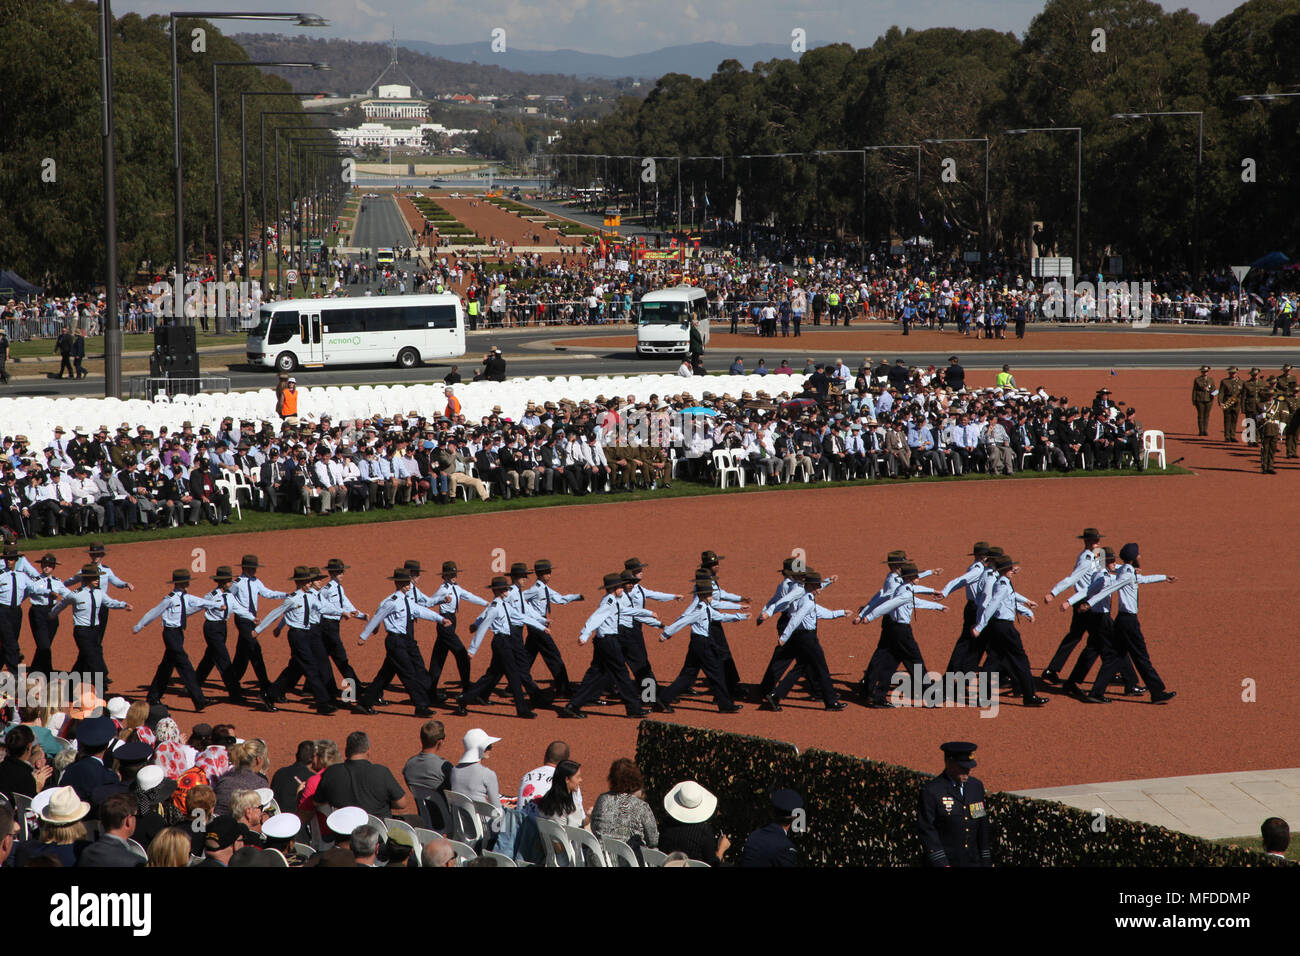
{"points": [[1200, 151], [216, 149], [262, 231], [918, 149], [300, 19], [112, 321], [243, 159], [294, 199], [984, 225], [1078, 184]]}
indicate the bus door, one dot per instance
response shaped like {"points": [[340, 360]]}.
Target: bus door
{"points": [[312, 349]]}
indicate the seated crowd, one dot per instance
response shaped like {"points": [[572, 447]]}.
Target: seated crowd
{"points": [[122, 786], [883, 421]]}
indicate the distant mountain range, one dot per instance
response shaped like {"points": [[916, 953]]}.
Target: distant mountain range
{"points": [[693, 59]]}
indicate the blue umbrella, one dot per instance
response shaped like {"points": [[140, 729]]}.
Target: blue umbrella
{"points": [[699, 410], [1274, 260]]}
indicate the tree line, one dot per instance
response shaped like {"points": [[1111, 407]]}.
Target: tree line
{"points": [[1079, 62]]}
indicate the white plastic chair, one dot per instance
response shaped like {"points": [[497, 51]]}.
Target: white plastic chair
{"points": [[653, 857], [501, 858], [696, 863], [587, 850], [619, 853], [1153, 444], [465, 824], [378, 824], [724, 464], [303, 850], [552, 833], [463, 850]]}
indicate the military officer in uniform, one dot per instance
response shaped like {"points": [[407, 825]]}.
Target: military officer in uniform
{"points": [[771, 845], [1203, 398], [1284, 379], [951, 817], [1269, 429], [1230, 390], [1250, 404]]}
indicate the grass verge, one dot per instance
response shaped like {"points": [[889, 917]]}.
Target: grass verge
{"points": [[257, 521]]}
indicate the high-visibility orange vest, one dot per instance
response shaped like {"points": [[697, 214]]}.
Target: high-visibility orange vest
{"points": [[288, 403], [453, 407]]}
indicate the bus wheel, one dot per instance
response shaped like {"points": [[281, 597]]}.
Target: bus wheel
{"points": [[408, 358], [286, 362]]}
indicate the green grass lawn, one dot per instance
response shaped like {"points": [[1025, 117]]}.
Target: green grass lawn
{"points": [[1257, 844], [257, 521], [42, 348]]}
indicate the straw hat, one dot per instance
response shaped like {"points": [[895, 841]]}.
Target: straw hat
{"points": [[64, 807], [688, 802]]}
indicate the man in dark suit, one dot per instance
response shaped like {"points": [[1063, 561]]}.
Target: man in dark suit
{"points": [[488, 463], [954, 376], [771, 845], [952, 819], [63, 345], [79, 353], [88, 771], [117, 816]]}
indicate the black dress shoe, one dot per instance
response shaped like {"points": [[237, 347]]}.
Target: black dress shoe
{"points": [[838, 705], [423, 712], [1095, 699], [567, 711], [1036, 701], [1050, 676], [733, 709], [1135, 691], [365, 708], [326, 709], [461, 709], [526, 714], [603, 702], [770, 703], [660, 707], [382, 703], [880, 705], [1159, 697], [268, 704], [638, 713]]}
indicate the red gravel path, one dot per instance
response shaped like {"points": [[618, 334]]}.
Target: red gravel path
{"points": [[1227, 533]]}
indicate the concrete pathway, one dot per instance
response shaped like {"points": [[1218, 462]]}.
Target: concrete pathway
{"points": [[1211, 805]]}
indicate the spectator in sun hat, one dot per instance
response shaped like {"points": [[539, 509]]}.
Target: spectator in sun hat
{"points": [[470, 776], [691, 809]]}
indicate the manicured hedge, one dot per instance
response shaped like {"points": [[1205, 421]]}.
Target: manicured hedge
{"points": [[863, 813]]}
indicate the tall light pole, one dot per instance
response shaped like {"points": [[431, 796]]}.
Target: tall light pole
{"points": [[216, 149], [295, 197], [1078, 183], [262, 230], [984, 226], [1200, 152], [243, 159], [299, 19], [112, 322]]}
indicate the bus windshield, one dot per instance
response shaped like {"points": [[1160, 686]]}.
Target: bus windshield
{"points": [[263, 324], [663, 313]]}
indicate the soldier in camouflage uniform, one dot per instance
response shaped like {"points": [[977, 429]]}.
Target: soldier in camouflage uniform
{"points": [[1230, 401], [1250, 404], [1203, 398]]}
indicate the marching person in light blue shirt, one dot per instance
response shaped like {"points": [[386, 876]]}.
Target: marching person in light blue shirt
{"points": [[298, 610], [539, 599], [1087, 564], [501, 620], [1129, 638], [998, 615], [897, 644], [607, 662], [787, 594], [798, 642], [1101, 636], [704, 652], [398, 613], [174, 610], [88, 602]]}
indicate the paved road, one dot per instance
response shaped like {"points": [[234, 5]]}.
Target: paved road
{"points": [[380, 224], [530, 352]]}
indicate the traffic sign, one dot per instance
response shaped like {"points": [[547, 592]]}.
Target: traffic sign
{"points": [[291, 276]]}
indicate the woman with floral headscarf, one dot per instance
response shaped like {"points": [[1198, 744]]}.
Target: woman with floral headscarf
{"points": [[170, 753]]}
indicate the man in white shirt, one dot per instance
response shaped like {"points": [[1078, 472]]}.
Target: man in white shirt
{"points": [[536, 783]]}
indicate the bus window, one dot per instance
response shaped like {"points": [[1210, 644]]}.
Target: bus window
{"points": [[304, 334], [283, 327], [444, 316]]}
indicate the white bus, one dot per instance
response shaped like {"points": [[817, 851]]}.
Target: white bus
{"points": [[664, 320], [405, 329]]}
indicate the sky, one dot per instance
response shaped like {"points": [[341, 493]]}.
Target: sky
{"points": [[619, 27]]}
